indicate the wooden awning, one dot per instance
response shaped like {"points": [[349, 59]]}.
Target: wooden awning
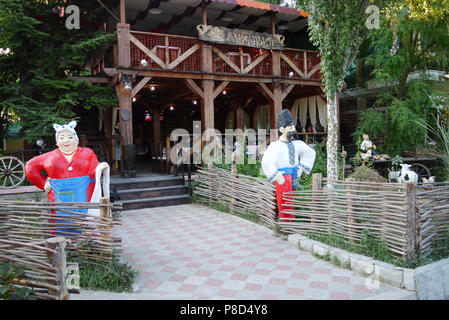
{"points": [[182, 16]]}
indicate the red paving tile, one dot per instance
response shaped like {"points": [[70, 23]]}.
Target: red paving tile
{"points": [[295, 291], [227, 293], [318, 285], [340, 279], [339, 296], [214, 282], [241, 277], [300, 276], [278, 281], [187, 288], [253, 287], [178, 278]]}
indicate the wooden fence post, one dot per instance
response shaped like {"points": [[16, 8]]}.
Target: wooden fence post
{"points": [[105, 214], [58, 261], [317, 185], [234, 182], [412, 223], [350, 210]]}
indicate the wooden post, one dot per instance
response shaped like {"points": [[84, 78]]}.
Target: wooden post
{"points": [[128, 149], [122, 11], [207, 103], [108, 135], [167, 147], [412, 223], [58, 261], [272, 23], [317, 185], [105, 214], [204, 13], [276, 101], [156, 135], [240, 112], [350, 210]]}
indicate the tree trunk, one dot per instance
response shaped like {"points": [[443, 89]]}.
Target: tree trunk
{"points": [[332, 137]]}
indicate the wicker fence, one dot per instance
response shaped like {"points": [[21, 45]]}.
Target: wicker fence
{"points": [[433, 206], [241, 194], [39, 236], [407, 218]]}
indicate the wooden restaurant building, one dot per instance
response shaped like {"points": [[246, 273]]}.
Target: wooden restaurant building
{"points": [[227, 63]]}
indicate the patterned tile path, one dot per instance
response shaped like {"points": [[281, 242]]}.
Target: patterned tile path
{"points": [[194, 252]]}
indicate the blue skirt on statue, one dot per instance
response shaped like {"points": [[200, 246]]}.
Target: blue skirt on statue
{"points": [[70, 190]]}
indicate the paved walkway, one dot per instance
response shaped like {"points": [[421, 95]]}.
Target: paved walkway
{"points": [[193, 252]]}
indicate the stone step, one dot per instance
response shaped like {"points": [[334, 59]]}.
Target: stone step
{"points": [[145, 182], [155, 202], [140, 193]]}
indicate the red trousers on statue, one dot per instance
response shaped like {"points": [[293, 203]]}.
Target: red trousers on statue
{"points": [[280, 190]]}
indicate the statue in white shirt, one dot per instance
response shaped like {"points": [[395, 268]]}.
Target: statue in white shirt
{"points": [[368, 148], [285, 160]]}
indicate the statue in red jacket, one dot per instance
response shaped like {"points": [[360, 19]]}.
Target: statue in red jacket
{"points": [[71, 170]]}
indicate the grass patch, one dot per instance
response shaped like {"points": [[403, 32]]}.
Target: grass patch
{"points": [[112, 276]]}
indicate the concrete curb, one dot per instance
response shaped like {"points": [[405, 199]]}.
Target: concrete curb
{"points": [[429, 282]]}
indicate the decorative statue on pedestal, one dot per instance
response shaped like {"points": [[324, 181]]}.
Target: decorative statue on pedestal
{"points": [[73, 172], [368, 148], [284, 161]]}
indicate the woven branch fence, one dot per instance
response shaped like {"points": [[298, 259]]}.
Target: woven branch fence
{"points": [[44, 265], [25, 230], [433, 206], [407, 218], [242, 194]]}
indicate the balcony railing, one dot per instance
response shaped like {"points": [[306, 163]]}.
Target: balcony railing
{"points": [[180, 53]]}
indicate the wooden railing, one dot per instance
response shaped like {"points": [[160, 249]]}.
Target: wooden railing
{"points": [[180, 53]]}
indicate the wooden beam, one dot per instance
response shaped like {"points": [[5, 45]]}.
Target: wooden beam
{"points": [[204, 13], [194, 87], [313, 71], [123, 43], [140, 85], [267, 90], [184, 56], [90, 79], [226, 59], [122, 11], [272, 23], [207, 105], [253, 64], [292, 65], [147, 51], [201, 75], [220, 88], [287, 91]]}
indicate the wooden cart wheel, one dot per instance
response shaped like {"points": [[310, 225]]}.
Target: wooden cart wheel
{"points": [[421, 170], [12, 172]]}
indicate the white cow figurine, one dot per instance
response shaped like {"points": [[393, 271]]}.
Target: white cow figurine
{"points": [[407, 175], [393, 175]]}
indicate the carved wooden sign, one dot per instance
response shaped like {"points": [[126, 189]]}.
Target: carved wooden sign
{"points": [[238, 37]]}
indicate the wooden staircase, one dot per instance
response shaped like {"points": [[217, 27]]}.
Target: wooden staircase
{"points": [[149, 192]]}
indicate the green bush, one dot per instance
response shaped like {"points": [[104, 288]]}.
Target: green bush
{"points": [[8, 291], [112, 276]]}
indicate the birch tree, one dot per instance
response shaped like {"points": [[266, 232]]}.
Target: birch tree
{"points": [[337, 28]]}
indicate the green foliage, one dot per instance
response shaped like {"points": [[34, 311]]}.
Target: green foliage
{"points": [[420, 28], [112, 276], [440, 131], [8, 291], [367, 246], [33, 77]]}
